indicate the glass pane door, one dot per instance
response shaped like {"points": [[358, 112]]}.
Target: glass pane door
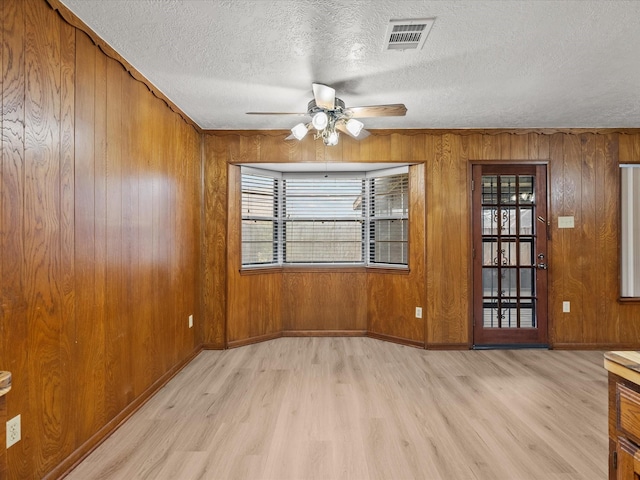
{"points": [[509, 254]]}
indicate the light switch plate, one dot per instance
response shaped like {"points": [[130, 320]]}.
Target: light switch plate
{"points": [[190, 321], [418, 312], [566, 307], [566, 222]]}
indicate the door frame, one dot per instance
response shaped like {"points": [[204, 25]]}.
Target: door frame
{"points": [[471, 292]]}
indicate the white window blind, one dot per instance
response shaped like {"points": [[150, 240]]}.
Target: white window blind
{"points": [[328, 218], [259, 219], [323, 220], [389, 219], [630, 231]]}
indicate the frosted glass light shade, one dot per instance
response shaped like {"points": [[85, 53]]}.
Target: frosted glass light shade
{"points": [[299, 131], [320, 121], [354, 126], [332, 139]]}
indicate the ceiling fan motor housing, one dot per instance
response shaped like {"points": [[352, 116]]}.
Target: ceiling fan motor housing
{"points": [[338, 110]]}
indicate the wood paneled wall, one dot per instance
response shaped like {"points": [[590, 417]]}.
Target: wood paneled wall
{"points": [[584, 182], [293, 301], [99, 238], [102, 258]]}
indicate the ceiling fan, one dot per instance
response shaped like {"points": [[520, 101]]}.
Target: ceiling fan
{"points": [[330, 116]]}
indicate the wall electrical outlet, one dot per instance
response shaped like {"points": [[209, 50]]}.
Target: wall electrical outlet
{"points": [[13, 431], [418, 312], [190, 321]]}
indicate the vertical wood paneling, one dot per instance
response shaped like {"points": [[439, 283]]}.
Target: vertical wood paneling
{"points": [[4, 471], [214, 241], [435, 242], [178, 313], [15, 351], [89, 340], [491, 147], [519, 147], [606, 235], [461, 233], [572, 253], [3, 404], [590, 261], [130, 219], [323, 301], [99, 222], [629, 149], [99, 236], [41, 228], [392, 298], [504, 142], [608, 250], [67, 236], [71, 170], [556, 276], [447, 242], [160, 240], [116, 353], [3, 347], [253, 301], [583, 180], [144, 369]]}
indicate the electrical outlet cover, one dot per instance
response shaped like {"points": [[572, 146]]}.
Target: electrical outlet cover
{"points": [[13, 431]]}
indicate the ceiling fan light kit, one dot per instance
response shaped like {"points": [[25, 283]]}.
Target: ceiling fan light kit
{"points": [[329, 116], [299, 131], [354, 126], [320, 121]]}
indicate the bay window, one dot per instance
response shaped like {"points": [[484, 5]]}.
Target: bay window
{"points": [[330, 218]]}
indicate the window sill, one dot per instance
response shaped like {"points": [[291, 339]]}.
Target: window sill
{"points": [[388, 270], [266, 270], [261, 270], [629, 300]]}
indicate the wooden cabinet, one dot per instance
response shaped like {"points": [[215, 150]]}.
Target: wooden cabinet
{"points": [[624, 453], [5, 386], [624, 415]]}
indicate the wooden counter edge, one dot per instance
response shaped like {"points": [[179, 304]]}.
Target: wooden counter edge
{"points": [[5, 383], [622, 371]]}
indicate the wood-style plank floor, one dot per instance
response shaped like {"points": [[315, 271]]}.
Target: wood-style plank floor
{"points": [[359, 408]]}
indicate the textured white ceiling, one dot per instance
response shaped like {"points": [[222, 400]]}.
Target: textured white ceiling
{"points": [[486, 63]]}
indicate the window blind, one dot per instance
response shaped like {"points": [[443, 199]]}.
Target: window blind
{"points": [[325, 218], [630, 231], [389, 219], [259, 219]]}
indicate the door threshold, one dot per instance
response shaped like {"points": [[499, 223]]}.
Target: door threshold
{"points": [[511, 346]]}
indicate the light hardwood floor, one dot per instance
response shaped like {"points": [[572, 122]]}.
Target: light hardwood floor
{"points": [[359, 408]]}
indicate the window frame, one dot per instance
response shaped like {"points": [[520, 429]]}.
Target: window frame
{"points": [[623, 228], [372, 219], [366, 220]]}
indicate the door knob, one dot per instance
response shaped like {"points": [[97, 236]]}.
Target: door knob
{"points": [[542, 266]]}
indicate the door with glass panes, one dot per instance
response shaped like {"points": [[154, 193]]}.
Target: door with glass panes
{"points": [[509, 255]]}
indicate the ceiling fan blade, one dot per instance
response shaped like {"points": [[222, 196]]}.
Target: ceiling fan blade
{"points": [[363, 133], [325, 96], [393, 110], [277, 113]]}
